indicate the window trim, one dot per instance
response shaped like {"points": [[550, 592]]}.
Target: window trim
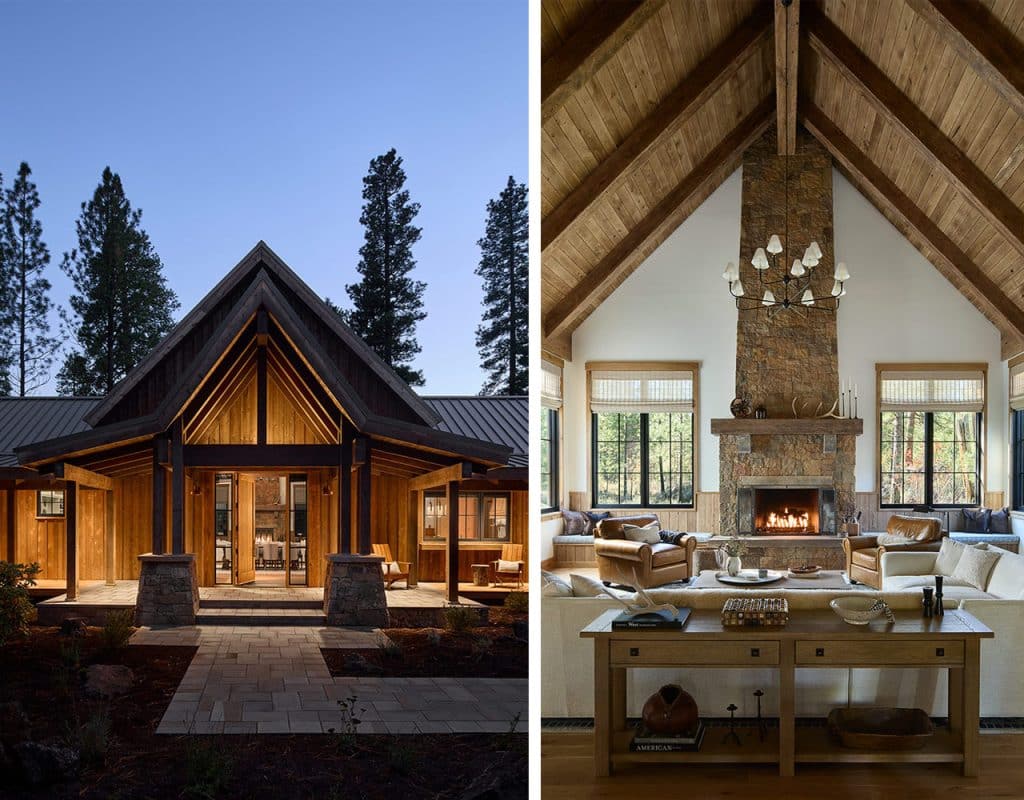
{"points": [[1017, 460], [629, 366], [39, 504], [981, 366], [492, 543], [555, 458]]}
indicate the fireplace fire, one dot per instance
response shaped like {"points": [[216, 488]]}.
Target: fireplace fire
{"points": [[785, 511]]}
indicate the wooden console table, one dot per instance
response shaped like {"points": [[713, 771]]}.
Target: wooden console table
{"points": [[811, 639]]}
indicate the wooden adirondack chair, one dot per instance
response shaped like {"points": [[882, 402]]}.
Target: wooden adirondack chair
{"points": [[509, 552], [390, 573]]}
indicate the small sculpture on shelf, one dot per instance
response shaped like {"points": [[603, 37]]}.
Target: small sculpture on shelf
{"points": [[731, 708], [740, 408], [762, 728], [926, 601], [939, 611], [760, 413], [671, 711]]}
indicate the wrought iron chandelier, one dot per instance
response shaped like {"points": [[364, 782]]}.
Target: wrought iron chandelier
{"points": [[791, 291]]}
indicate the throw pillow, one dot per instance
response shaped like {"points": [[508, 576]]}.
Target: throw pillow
{"points": [[582, 586], [975, 565], [649, 534], [999, 521], [949, 555], [508, 566], [553, 586], [976, 520], [575, 523], [594, 517], [672, 537], [390, 569]]}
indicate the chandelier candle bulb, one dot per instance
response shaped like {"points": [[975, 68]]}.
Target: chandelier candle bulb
{"points": [[808, 298], [798, 270], [815, 250], [842, 273], [737, 288], [769, 298], [760, 259], [774, 245], [837, 289]]}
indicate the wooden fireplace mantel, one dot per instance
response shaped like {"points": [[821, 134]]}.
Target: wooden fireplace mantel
{"points": [[786, 427]]}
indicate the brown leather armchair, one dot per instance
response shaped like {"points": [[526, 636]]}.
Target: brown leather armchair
{"points": [[622, 561], [864, 553]]}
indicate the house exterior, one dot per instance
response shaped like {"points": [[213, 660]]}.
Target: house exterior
{"points": [[258, 438]]}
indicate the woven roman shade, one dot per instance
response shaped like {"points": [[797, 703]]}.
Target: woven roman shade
{"points": [[622, 391], [1017, 387], [932, 390], [551, 385]]}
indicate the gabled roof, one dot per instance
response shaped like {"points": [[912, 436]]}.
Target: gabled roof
{"points": [[503, 420], [33, 419], [646, 108], [260, 269]]}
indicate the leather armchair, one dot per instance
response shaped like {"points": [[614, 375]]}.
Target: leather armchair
{"points": [[864, 553], [630, 563]]}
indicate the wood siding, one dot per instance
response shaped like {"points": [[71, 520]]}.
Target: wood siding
{"points": [[234, 422]]}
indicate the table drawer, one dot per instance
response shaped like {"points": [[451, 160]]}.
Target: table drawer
{"points": [[666, 654], [849, 652]]}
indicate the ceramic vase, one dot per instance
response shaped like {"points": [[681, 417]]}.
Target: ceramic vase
{"points": [[670, 712], [733, 565]]}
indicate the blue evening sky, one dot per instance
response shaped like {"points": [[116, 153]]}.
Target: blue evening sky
{"points": [[231, 122]]}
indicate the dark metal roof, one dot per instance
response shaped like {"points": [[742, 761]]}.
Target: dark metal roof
{"points": [[502, 420], [24, 420]]}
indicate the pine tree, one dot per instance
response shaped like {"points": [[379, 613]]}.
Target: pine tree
{"points": [[503, 338], [5, 294], [387, 303], [27, 305], [121, 305]]}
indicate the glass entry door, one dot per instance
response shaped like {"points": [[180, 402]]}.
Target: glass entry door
{"points": [[298, 529], [223, 528]]}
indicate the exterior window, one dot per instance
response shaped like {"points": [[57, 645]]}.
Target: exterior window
{"points": [[930, 458], [1018, 460], [50, 503], [549, 459], [643, 459], [483, 517]]}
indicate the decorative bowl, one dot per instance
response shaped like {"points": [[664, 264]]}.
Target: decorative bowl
{"points": [[805, 569], [881, 728], [858, 610]]}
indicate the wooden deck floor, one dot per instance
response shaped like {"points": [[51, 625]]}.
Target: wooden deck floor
{"points": [[567, 772]]}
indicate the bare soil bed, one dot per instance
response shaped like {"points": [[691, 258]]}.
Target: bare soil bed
{"points": [[140, 764]]}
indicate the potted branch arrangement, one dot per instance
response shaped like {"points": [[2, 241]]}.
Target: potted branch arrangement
{"points": [[851, 520], [730, 554]]}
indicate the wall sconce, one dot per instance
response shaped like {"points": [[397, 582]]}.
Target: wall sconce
{"points": [[327, 490], [197, 489]]}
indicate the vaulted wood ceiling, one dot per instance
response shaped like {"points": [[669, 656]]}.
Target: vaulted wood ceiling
{"points": [[647, 106]]}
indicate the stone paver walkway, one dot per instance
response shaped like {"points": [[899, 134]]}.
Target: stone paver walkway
{"points": [[275, 680]]}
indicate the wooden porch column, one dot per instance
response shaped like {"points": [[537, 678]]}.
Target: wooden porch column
{"points": [[177, 490], [159, 496], [12, 524], [362, 456], [71, 537], [413, 534], [109, 528], [345, 489], [453, 542]]}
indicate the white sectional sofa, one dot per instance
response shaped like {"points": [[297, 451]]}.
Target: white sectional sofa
{"points": [[567, 667]]}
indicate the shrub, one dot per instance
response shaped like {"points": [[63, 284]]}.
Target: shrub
{"points": [[388, 647], [118, 629], [459, 618], [518, 602], [16, 610], [208, 767], [481, 646], [433, 637], [92, 738], [69, 666], [350, 722]]}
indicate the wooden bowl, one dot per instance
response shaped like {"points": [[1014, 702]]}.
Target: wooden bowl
{"points": [[881, 728]]}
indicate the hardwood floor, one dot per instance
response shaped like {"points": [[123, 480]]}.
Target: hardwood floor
{"points": [[567, 771]]}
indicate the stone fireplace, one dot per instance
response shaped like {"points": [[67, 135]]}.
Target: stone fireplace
{"points": [[801, 469]]}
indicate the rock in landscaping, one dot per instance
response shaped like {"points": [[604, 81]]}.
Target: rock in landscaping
{"points": [[13, 723], [73, 626], [358, 665], [46, 763], [108, 680]]}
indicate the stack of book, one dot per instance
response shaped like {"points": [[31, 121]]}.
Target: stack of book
{"points": [[647, 742], [654, 620]]}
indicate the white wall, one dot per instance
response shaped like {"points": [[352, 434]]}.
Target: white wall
{"points": [[676, 307]]}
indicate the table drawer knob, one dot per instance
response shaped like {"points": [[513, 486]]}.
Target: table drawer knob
{"points": [[940, 651], [755, 652], [634, 651], [819, 652]]}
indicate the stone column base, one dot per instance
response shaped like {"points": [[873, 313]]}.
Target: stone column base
{"points": [[168, 590], [354, 591]]}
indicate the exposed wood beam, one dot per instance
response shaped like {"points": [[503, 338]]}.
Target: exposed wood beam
{"points": [[980, 40], [365, 483], [787, 52], [261, 390], [452, 542], [439, 477], [888, 195], [241, 456], [689, 95], [71, 538], [897, 108], [110, 538], [566, 315], [177, 489], [608, 27], [12, 525], [83, 476], [345, 486], [159, 497]]}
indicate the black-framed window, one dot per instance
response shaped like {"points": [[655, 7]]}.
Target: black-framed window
{"points": [[642, 459], [50, 503], [1017, 461], [549, 459], [483, 516], [930, 458]]}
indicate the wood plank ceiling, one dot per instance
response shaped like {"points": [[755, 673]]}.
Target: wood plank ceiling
{"points": [[647, 106]]}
